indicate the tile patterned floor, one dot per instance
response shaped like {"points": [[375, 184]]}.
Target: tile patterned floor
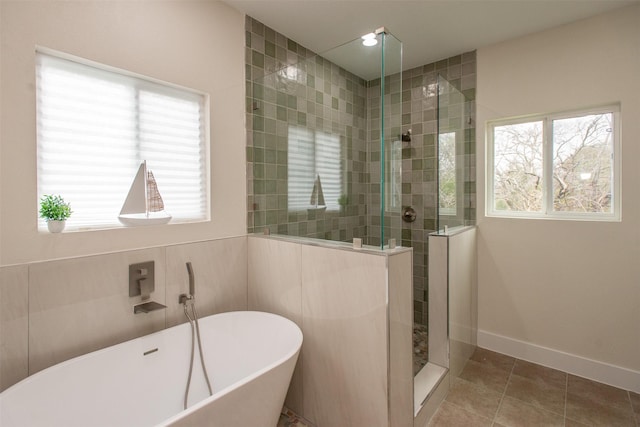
{"points": [[496, 390], [500, 391]]}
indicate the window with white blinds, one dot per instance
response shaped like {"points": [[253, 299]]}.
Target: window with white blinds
{"points": [[313, 156], [96, 125]]}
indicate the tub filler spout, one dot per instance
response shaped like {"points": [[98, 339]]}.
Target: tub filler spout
{"points": [[148, 307]]}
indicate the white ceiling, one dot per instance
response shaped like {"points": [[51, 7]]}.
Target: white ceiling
{"points": [[430, 30]]}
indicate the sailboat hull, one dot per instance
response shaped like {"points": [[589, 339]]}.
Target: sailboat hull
{"points": [[137, 219], [317, 209]]}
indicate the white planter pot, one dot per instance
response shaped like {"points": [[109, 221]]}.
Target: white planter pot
{"points": [[55, 226]]}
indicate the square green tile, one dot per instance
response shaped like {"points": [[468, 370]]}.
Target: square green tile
{"points": [[270, 186], [258, 155], [292, 46], [282, 172], [281, 113], [282, 157], [272, 217], [258, 123], [270, 156], [257, 59], [281, 99], [258, 171], [292, 102], [269, 49]]}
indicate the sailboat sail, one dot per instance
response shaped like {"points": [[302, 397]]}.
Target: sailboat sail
{"points": [[317, 196], [154, 199], [144, 204]]}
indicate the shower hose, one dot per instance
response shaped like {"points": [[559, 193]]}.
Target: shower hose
{"points": [[195, 331]]}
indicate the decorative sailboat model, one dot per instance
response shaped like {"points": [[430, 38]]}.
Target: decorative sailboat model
{"points": [[143, 205], [317, 197]]}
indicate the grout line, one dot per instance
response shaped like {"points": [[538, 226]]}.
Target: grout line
{"points": [[495, 416], [633, 411], [566, 398], [28, 320]]}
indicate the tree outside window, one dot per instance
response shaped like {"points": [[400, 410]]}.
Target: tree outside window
{"points": [[555, 166]]}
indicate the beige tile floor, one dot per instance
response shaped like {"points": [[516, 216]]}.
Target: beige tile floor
{"points": [[501, 391]]}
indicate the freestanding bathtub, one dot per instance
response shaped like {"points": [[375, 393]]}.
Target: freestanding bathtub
{"points": [[250, 357]]}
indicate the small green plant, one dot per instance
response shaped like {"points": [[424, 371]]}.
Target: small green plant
{"points": [[54, 208], [343, 200]]}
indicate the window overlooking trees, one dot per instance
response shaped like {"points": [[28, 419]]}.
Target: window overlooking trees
{"points": [[447, 173], [559, 166]]}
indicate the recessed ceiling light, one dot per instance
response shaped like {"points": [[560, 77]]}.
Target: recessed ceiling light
{"points": [[369, 39]]}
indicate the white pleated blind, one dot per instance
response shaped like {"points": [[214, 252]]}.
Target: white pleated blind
{"points": [[95, 127], [301, 168], [311, 154], [328, 167]]}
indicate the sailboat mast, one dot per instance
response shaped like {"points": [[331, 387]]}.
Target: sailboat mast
{"points": [[146, 189]]}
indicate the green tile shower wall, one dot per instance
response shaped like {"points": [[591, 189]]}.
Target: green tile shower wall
{"points": [[318, 95], [329, 98]]}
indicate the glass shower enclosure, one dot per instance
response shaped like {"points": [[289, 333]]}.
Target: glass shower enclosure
{"points": [[326, 156], [345, 144]]}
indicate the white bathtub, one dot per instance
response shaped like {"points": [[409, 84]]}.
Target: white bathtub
{"points": [[250, 357]]}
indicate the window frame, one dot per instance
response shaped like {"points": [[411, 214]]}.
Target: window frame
{"points": [[140, 83], [547, 211]]}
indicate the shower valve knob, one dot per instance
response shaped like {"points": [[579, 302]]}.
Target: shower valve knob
{"points": [[408, 214]]}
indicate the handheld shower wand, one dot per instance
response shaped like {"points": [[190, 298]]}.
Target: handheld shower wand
{"points": [[188, 301], [192, 286]]}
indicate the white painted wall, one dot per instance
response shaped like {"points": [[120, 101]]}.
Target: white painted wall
{"points": [[567, 286], [190, 43]]}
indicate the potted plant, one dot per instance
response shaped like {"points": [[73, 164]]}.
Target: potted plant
{"points": [[343, 201], [55, 211]]}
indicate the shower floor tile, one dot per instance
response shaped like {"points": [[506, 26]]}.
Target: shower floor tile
{"points": [[288, 418], [420, 347]]}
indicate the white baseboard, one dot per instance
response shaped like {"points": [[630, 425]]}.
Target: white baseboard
{"points": [[616, 376]]}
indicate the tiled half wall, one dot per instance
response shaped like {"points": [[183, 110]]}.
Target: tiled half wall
{"points": [[354, 309], [353, 306]]}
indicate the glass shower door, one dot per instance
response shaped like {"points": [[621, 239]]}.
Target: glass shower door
{"points": [[454, 163]]}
